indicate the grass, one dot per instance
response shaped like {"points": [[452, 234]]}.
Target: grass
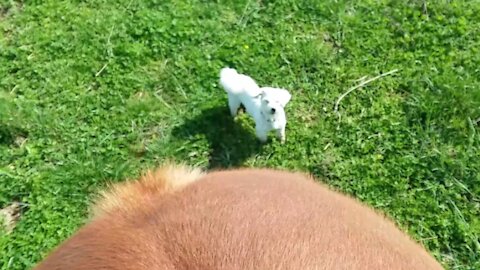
{"points": [[97, 91]]}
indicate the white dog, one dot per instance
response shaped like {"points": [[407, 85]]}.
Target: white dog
{"points": [[266, 105]]}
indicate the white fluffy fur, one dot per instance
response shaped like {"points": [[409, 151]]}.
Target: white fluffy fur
{"points": [[265, 104]]}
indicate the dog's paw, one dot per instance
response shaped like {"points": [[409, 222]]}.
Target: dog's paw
{"points": [[262, 140]]}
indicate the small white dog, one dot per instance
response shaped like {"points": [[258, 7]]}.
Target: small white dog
{"points": [[266, 105]]}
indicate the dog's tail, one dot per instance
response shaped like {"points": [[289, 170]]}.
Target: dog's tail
{"points": [[236, 83], [131, 195]]}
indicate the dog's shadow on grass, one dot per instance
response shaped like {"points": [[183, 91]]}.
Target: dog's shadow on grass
{"points": [[230, 142]]}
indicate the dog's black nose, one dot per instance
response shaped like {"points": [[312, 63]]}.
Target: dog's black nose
{"points": [[273, 110]]}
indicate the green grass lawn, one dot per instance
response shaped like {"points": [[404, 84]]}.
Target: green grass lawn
{"points": [[96, 91]]}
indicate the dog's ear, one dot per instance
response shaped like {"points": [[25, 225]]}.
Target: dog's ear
{"points": [[284, 97], [261, 95]]}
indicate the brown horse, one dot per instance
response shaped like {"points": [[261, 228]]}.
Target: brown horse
{"points": [[180, 218]]}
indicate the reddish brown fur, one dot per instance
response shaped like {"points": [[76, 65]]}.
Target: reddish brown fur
{"points": [[242, 219]]}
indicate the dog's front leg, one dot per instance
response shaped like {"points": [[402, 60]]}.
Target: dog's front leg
{"points": [[233, 104], [261, 133], [281, 134]]}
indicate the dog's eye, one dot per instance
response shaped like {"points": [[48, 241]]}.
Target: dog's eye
{"points": [[265, 101]]}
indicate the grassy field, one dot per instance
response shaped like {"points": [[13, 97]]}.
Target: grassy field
{"points": [[96, 91]]}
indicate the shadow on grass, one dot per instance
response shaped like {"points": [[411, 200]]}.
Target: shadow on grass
{"points": [[230, 143]]}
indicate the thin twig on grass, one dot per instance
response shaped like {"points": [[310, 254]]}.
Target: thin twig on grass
{"points": [[159, 97], [109, 52], [244, 15], [425, 8], [359, 86], [428, 238], [101, 70], [109, 45]]}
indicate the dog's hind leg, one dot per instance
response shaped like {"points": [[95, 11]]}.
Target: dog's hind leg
{"points": [[233, 104]]}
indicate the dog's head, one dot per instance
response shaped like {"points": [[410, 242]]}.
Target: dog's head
{"points": [[273, 99], [269, 105], [279, 95], [272, 105]]}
